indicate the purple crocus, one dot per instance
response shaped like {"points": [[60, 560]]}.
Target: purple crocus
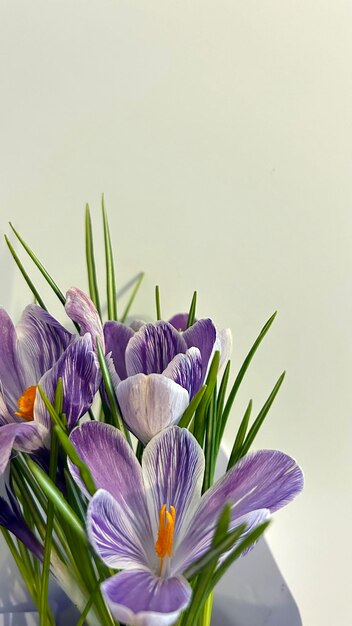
{"points": [[156, 369], [38, 352], [152, 522]]}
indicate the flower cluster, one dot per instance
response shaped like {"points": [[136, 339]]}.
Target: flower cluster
{"points": [[149, 515]]}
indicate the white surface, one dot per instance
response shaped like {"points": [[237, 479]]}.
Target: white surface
{"points": [[221, 135]]}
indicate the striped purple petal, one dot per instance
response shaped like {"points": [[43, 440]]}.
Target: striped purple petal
{"points": [[22, 436], [80, 308], [173, 468], [117, 336], [81, 377], [202, 335], [41, 342], [139, 598], [267, 479], [28, 351], [116, 471], [111, 460], [151, 403], [186, 370], [152, 348], [11, 376]]}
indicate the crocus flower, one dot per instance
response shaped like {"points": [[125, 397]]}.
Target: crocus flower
{"points": [[152, 522], [156, 369], [39, 351]]}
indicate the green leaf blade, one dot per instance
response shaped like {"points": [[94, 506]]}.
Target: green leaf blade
{"points": [[111, 292]]}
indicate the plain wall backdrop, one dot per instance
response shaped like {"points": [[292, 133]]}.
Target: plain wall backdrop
{"points": [[221, 135]]}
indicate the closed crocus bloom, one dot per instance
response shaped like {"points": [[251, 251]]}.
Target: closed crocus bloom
{"points": [[156, 368], [38, 352], [152, 522]]}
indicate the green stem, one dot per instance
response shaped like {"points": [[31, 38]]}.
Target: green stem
{"points": [[205, 618], [54, 449]]}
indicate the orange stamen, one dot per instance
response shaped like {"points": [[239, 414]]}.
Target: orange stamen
{"points": [[26, 403], [165, 539]]}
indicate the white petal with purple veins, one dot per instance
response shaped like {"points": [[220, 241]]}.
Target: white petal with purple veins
{"points": [[151, 403], [224, 345], [173, 469], [117, 534], [138, 598]]}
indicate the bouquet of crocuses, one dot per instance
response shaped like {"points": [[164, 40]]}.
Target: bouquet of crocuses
{"points": [[109, 438]]}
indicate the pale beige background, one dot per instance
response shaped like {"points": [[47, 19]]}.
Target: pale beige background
{"points": [[221, 135]]}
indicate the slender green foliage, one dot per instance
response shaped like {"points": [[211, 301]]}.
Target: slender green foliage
{"points": [[261, 417], [110, 270], [237, 446], [30, 284], [192, 407], [92, 277], [240, 375], [40, 267], [114, 408], [132, 297], [157, 302], [73, 455], [48, 535], [200, 416], [55, 496], [192, 311]]}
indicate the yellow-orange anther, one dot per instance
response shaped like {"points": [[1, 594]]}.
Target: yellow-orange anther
{"points": [[26, 403], [165, 539]]}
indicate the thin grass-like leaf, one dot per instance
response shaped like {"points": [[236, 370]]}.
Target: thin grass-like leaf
{"points": [[210, 442], [261, 417], [157, 302], [55, 496], [33, 289], [51, 410], [132, 297], [114, 408], [221, 543], [192, 407], [236, 449], [92, 277], [247, 542], [43, 604], [215, 551], [199, 419], [240, 375], [192, 311], [73, 455], [40, 267], [222, 390], [111, 293]]}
